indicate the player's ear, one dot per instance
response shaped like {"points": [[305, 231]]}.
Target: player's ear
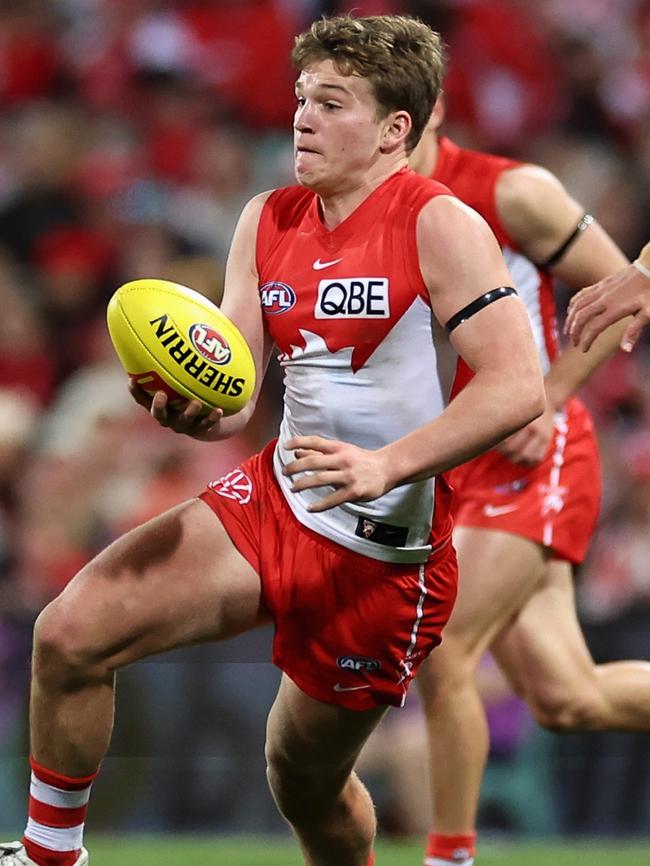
{"points": [[397, 126]]}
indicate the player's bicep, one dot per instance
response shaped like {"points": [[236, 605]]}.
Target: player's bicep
{"points": [[552, 229], [460, 259], [464, 270]]}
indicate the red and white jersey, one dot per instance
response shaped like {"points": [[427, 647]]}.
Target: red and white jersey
{"points": [[473, 176], [364, 359]]}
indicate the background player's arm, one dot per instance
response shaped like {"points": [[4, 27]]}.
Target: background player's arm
{"points": [[625, 293], [539, 214], [241, 304], [460, 260]]}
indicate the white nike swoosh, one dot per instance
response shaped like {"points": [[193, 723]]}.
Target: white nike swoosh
{"points": [[318, 265], [339, 688], [496, 510]]}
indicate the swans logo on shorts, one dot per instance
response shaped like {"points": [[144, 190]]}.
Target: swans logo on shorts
{"points": [[236, 485], [276, 298], [210, 344]]}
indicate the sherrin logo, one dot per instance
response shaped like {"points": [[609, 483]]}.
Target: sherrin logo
{"points": [[197, 367], [210, 344], [277, 298]]}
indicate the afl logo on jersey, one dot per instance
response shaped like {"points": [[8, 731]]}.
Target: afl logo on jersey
{"points": [[210, 344], [277, 298], [353, 298]]}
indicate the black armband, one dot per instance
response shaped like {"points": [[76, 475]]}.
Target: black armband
{"points": [[477, 305], [584, 223]]}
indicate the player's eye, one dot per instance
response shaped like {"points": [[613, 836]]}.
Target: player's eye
{"points": [[332, 106]]}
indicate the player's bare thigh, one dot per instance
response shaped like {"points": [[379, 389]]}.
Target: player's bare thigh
{"points": [[544, 643], [176, 580], [498, 571]]}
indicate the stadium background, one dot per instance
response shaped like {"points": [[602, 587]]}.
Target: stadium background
{"points": [[131, 133]]}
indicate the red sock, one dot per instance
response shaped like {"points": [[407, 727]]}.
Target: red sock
{"points": [[455, 849], [57, 812]]}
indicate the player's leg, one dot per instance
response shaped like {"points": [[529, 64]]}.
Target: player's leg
{"points": [[176, 580], [311, 749], [498, 571], [545, 657]]}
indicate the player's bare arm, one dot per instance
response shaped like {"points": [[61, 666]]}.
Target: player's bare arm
{"points": [[625, 293], [541, 216], [241, 304], [502, 397]]}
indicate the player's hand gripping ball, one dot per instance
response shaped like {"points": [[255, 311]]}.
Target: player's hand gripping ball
{"points": [[170, 338]]}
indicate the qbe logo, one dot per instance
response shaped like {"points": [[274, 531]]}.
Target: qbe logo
{"points": [[277, 298], [353, 298]]}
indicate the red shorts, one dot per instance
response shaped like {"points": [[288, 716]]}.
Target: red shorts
{"points": [[349, 629], [555, 503]]}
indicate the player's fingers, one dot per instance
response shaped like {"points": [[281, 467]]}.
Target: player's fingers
{"points": [[338, 497], [206, 424], [139, 394], [159, 408], [318, 479], [533, 452], [633, 332], [589, 330], [514, 443], [311, 443], [314, 464]]}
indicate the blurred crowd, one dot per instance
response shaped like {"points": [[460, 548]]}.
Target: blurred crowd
{"points": [[132, 132]]}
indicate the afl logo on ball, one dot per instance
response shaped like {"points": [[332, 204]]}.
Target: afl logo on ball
{"points": [[277, 298], [210, 344]]}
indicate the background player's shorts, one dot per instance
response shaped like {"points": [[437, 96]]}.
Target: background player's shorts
{"points": [[555, 503], [350, 630]]}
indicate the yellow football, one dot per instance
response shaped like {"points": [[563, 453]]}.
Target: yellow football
{"points": [[170, 338]]}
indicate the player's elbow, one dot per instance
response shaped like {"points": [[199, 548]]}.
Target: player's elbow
{"points": [[536, 402], [529, 397]]}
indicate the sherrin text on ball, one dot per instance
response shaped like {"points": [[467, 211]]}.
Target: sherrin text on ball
{"points": [[170, 338]]}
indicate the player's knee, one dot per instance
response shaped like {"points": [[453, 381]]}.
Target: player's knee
{"points": [[61, 654], [298, 786], [564, 712], [287, 780]]}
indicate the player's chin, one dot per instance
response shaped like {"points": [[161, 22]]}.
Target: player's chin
{"points": [[308, 169]]}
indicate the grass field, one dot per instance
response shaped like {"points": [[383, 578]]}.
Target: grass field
{"points": [[206, 851]]}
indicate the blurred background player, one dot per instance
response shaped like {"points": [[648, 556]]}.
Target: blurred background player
{"points": [[344, 545], [524, 512], [625, 293]]}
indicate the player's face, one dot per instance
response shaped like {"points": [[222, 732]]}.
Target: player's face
{"points": [[337, 130]]}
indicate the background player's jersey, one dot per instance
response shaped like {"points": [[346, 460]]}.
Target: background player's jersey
{"points": [[473, 176], [554, 503], [364, 359]]}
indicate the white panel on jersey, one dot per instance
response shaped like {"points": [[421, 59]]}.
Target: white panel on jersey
{"points": [[526, 279], [404, 384]]}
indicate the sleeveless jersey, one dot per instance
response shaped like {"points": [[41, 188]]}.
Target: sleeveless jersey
{"points": [[473, 176], [364, 359]]}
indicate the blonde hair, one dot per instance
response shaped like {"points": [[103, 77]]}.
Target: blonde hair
{"points": [[402, 58]]}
